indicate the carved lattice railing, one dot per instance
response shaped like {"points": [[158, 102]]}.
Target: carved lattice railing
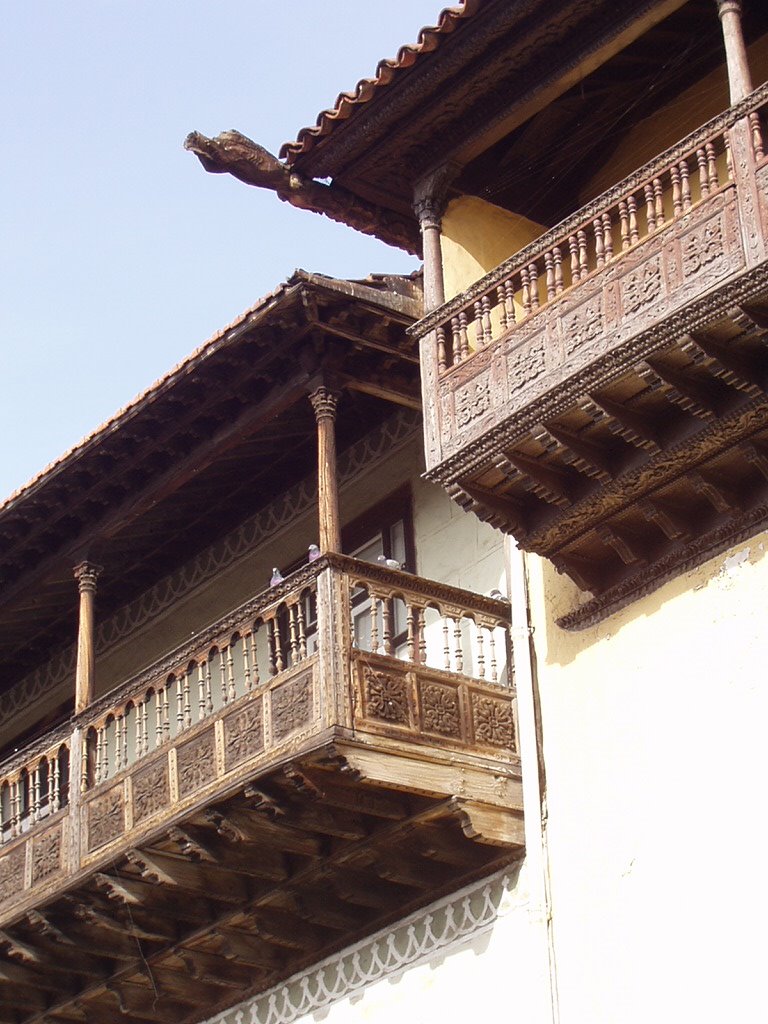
{"points": [[340, 644], [657, 195]]}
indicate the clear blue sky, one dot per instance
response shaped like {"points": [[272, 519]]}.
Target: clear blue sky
{"points": [[120, 254]]}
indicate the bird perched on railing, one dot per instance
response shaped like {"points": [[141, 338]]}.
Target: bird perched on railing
{"points": [[277, 577], [497, 595], [314, 553], [390, 563]]}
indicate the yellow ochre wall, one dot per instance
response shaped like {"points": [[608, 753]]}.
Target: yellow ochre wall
{"points": [[654, 744]]}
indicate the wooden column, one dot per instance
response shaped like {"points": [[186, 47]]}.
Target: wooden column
{"points": [[739, 78], [429, 201], [86, 575], [324, 402]]}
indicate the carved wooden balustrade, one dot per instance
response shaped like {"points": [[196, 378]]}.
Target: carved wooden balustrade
{"points": [[570, 390], [351, 729]]}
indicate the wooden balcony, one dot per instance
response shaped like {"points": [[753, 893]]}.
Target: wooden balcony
{"points": [[602, 394], [329, 756]]}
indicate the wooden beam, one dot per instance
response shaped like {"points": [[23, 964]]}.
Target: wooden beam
{"points": [[177, 873], [691, 394], [633, 426], [250, 950], [554, 484]]}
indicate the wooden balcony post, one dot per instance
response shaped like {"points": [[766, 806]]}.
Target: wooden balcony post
{"points": [[739, 78], [86, 575], [429, 202], [324, 402]]}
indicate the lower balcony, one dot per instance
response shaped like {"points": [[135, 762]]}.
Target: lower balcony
{"points": [[330, 756], [602, 394]]}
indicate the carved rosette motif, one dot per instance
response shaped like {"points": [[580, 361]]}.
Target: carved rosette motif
{"points": [[291, 706], [196, 763], [46, 855], [386, 696], [243, 734], [151, 791], [493, 721], [12, 873], [106, 818], [440, 709]]}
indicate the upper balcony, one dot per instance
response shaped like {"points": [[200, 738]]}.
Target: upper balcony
{"points": [[601, 394], [334, 752]]}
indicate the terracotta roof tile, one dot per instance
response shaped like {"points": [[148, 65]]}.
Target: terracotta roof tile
{"points": [[387, 71]]}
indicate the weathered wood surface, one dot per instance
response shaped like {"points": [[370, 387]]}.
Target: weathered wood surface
{"points": [[222, 826]]}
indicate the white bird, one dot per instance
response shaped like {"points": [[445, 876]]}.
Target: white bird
{"points": [[277, 577], [497, 595], [314, 553], [391, 563]]}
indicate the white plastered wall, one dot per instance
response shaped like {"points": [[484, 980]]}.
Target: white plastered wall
{"points": [[654, 744]]}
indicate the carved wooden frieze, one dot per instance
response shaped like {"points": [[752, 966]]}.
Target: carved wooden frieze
{"points": [[493, 721], [47, 854], [12, 863], [291, 706], [440, 706], [151, 790], [243, 733], [385, 695], [196, 762], [106, 817]]}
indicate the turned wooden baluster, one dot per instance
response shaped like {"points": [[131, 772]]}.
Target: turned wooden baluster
{"points": [[701, 161], [634, 233], [119, 720], [97, 761], [478, 324], [526, 290], [55, 784], [573, 248], [677, 195], [231, 685], [458, 652], [374, 624], [557, 255], [492, 654], [549, 275], [480, 651], [658, 200], [34, 785], [302, 630], [421, 630], [501, 297], [15, 807], [650, 208], [201, 690], [187, 700], [105, 753], [757, 135], [138, 735], [223, 674], [728, 158], [581, 238], [386, 628], [278, 645], [685, 186], [597, 226], [533, 275], [446, 644], [712, 177], [455, 340], [442, 364], [293, 634], [254, 660], [485, 302], [145, 726], [624, 224], [463, 339], [607, 237], [410, 625], [247, 638], [208, 688]]}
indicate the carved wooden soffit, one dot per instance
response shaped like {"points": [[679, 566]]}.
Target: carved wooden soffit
{"points": [[236, 154]]}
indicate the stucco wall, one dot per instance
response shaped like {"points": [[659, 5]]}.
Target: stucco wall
{"points": [[653, 726]]}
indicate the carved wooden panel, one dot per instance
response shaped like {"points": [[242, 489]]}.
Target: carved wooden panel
{"points": [[47, 854], [106, 817], [291, 706], [385, 695], [151, 790], [243, 733], [493, 720], [196, 762], [12, 873], [440, 706]]}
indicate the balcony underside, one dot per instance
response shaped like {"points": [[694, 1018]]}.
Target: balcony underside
{"points": [[621, 430], [160, 863]]}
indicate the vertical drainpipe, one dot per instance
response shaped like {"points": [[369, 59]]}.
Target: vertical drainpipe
{"points": [[739, 78], [532, 763]]}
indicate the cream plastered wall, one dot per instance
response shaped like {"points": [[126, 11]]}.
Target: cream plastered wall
{"points": [[451, 548], [654, 742], [692, 108], [476, 237]]}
